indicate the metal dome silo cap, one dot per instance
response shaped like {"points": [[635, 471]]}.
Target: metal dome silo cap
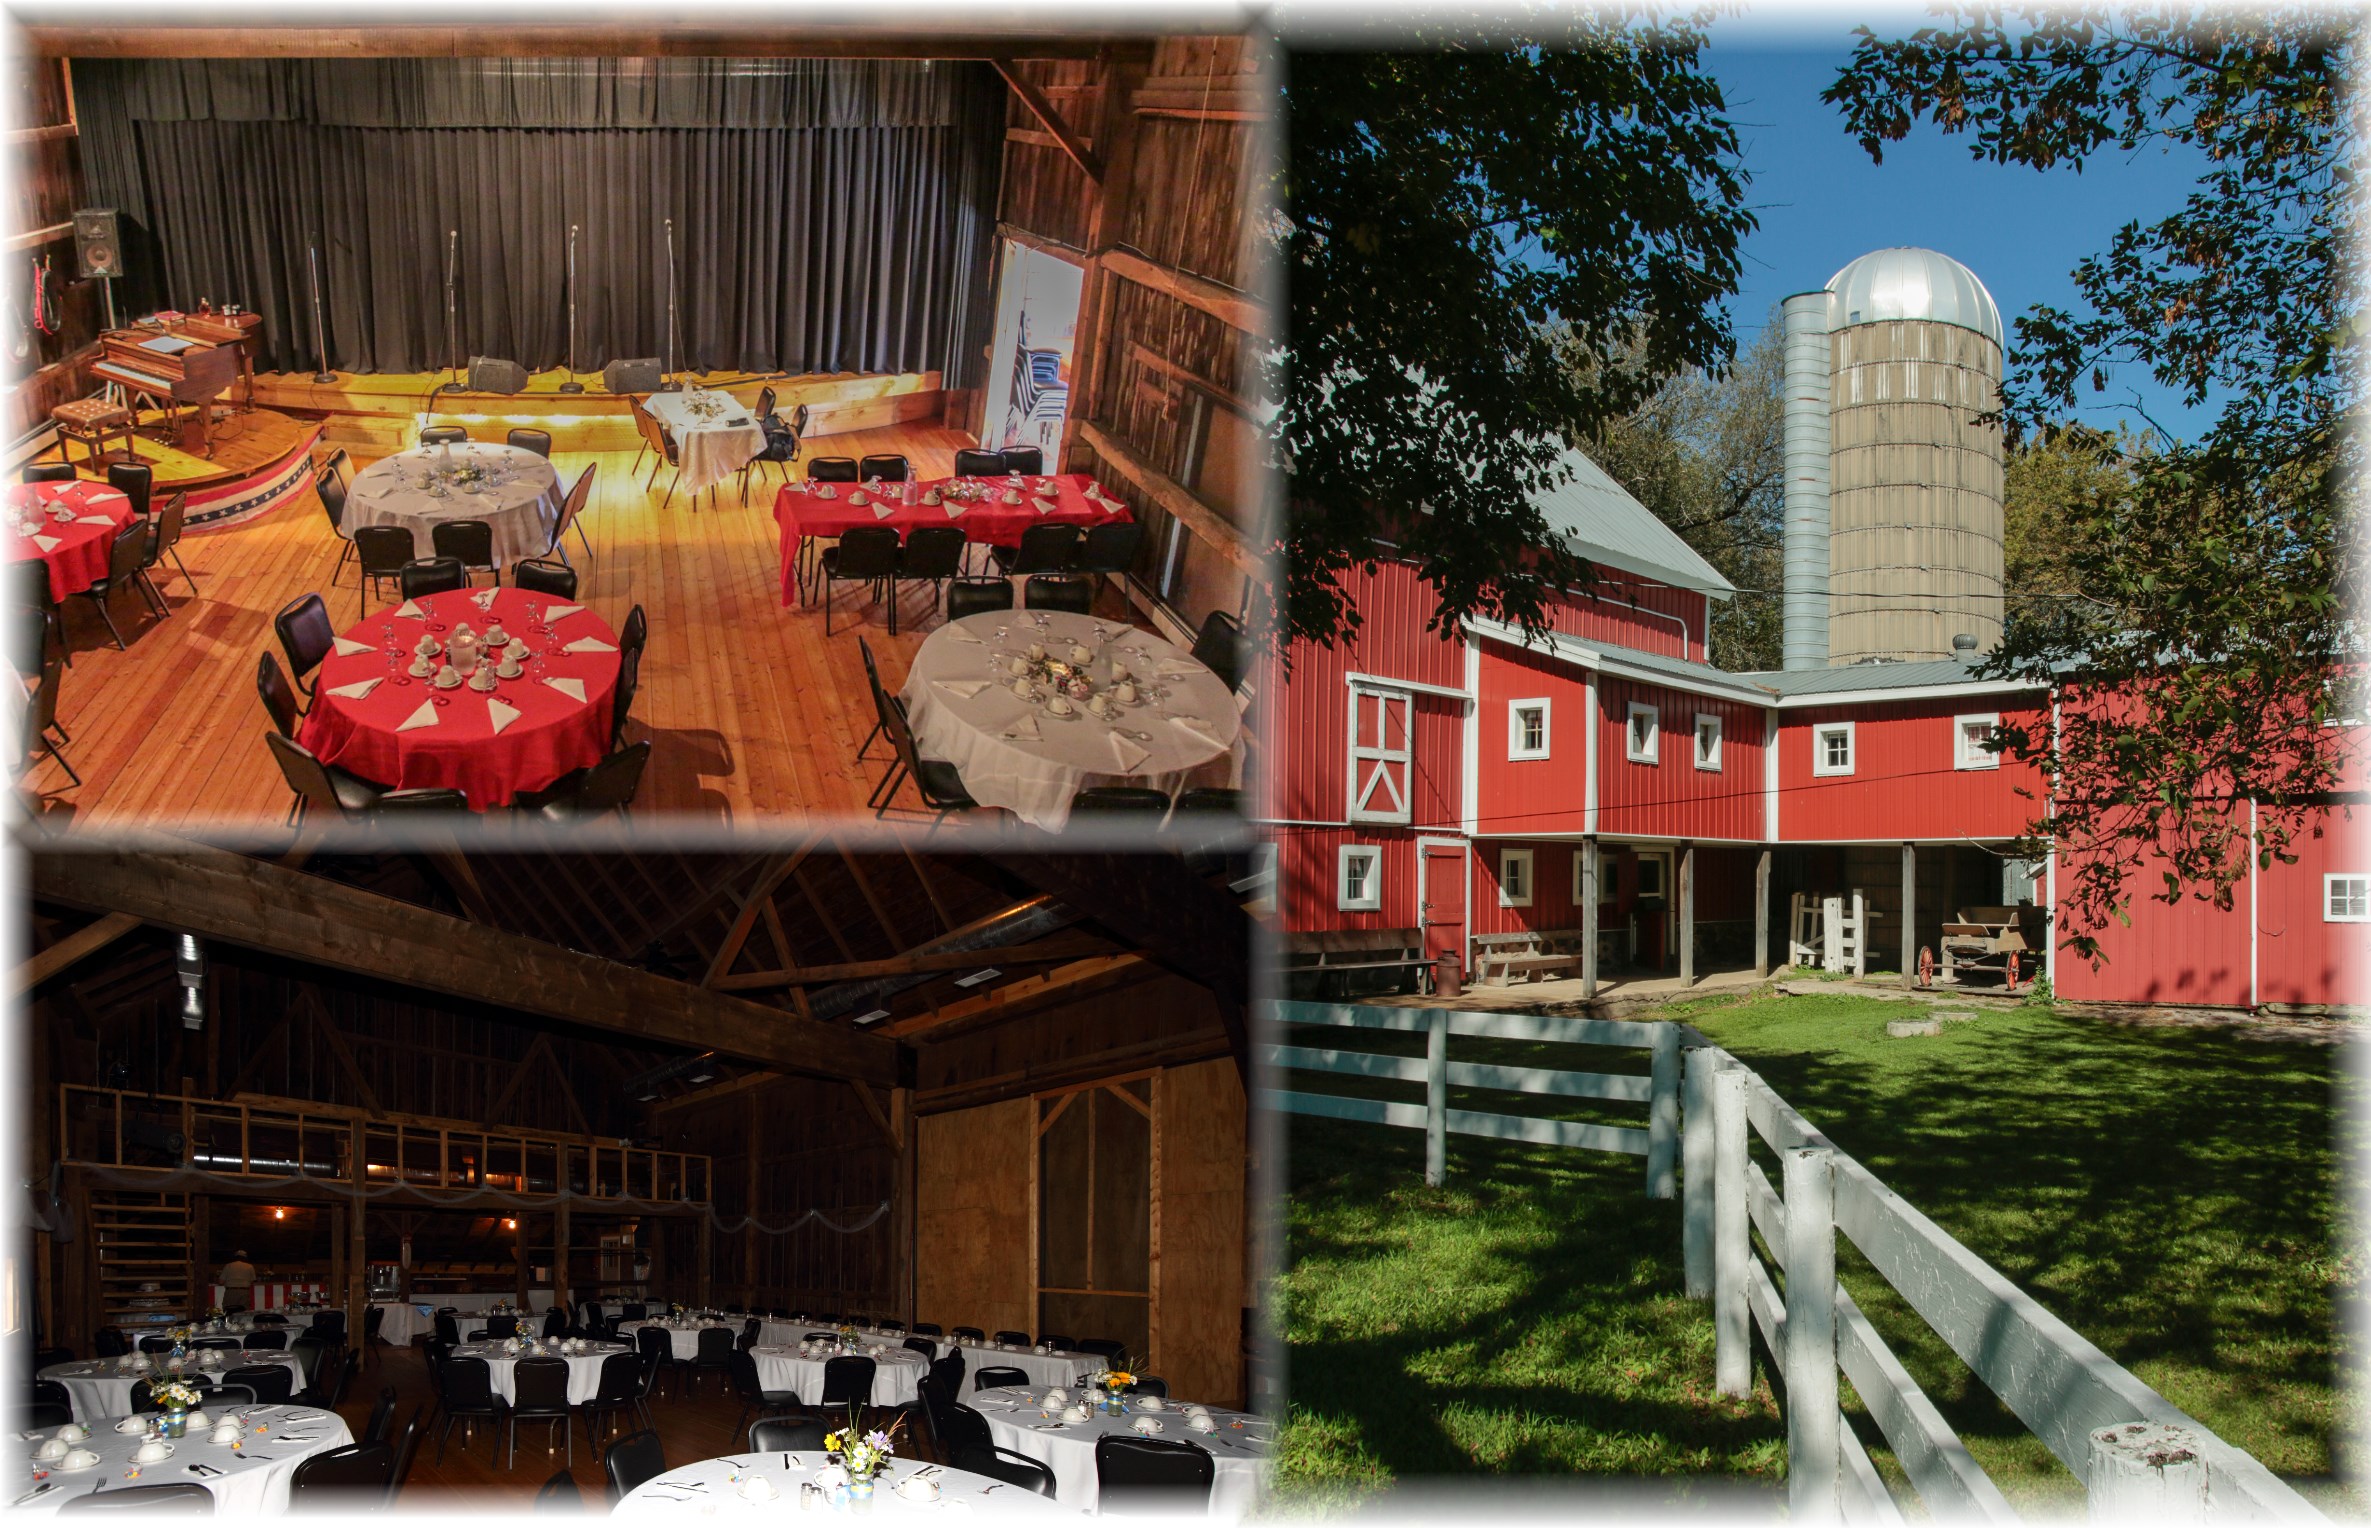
{"points": [[1909, 283]]}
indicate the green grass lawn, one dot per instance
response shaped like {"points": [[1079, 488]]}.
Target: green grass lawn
{"points": [[2169, 1193]]}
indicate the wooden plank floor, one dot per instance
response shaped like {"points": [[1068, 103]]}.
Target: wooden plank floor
{"points": [[754, 714]]}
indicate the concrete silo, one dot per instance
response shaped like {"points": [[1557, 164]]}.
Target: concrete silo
{"points": [[1893, 495]]}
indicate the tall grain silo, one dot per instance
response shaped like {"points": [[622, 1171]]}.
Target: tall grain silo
{"points": [[1910, 509]]}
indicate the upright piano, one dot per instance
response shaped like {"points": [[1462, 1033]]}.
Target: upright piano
{"points": [[186, 362]]}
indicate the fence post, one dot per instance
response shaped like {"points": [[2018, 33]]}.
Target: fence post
{"points": [[1436, 1099], [1663, 1114], [1695, 1141], [1733, 1362], [1813, 1464], [2146, 1472]]}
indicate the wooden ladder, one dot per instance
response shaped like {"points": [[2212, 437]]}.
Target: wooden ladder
{"points": [[143, 1247]]}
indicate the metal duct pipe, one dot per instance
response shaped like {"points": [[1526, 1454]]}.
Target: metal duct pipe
{"points": [[1804, 608], [1018, 924]]}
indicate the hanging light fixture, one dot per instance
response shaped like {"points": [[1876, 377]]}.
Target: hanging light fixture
{"points": [[189, 964]]}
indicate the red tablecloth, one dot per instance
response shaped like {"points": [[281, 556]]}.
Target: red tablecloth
{"points": [[551, 735], [84, 542], [801, 514]]}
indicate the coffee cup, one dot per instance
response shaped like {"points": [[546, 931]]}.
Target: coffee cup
{"points": [[1059, 705], [918, 1488], [1076, 1413], [51, 1448], [151, 1451], [1203, 1423], [200, 1419], [1125, 692], [1147, 1425], [758, 1488], [227, 1432], [1148, 1403], [131, 1424], [84, 1459], [74, 1432], [1079, 654], [483, 679]]}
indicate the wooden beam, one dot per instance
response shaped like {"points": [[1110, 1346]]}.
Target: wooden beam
{"points": [[1034, 100], [716, 1093], [1072, 947], [872, 1106], [971, 41], [226, 896], [1200, 518], [36, 237], [872, 899], [751, 905], [823, 916], [518, 1077], [1237, 310], [929, 888], [310, 1002], [1025, 996], [86, 941]]}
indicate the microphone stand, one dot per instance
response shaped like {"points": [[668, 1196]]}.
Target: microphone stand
{"points": [[320, 347], [572, 385], [452, 345], [670, 384]]}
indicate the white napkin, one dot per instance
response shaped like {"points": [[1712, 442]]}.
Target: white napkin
{"points": [[1128, 754], [484, 598], [1175, 668], [1195, 727], [961, 689], [372, 488], [560, 612], [964, 634], [424, 717], [46, 543], [412, 608], [356, 691], [574, 689], [589, 645], [349, 648], [953, 509], [884, 511], [500, 715], [1044, 506], [93, 520]]}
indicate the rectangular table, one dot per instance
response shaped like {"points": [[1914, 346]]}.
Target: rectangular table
{"points": [[708, 449], [804, 516]]}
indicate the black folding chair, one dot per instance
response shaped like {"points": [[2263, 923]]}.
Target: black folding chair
{"points": [[383, 552], [1029, 461], [970, 461], [885, 469], [540, 575], [444, 435], [932, 554], [537, 441], [1044, 591], [127, 564], [469, 542], [865, 554], [432, 575], [539, 1393], [1220, 648], [468, 1396], [1044, 548], [592, 791], [978, 596], [1151, 1475], [631, 1461]]}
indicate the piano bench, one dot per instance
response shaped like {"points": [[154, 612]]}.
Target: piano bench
{"points": [[92, 421]]}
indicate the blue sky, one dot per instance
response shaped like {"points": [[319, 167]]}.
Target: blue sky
{"points": [[1821, 202]]}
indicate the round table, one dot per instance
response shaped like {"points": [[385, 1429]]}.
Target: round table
{"points": [[1016, 1420], [714, 1488], [101, 1387], [584, 1369], [715, 434], [896, 1372], [1055, 1368], [1018, 755], [372, 718], [520, 498], [78, 547], [248, 1481], [684, 1340]]}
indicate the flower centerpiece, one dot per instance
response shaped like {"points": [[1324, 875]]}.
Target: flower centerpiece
{"points": [[214, 1315], [1114, 1381], [703, 405], [179, 1398], [847, 1335], [861, 1455], [675, 1311]]}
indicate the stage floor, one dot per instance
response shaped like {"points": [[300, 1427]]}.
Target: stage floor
{"points": [[244, 444]]}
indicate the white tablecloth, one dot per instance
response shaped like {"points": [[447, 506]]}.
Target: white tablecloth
{"points": [[584, 1369], [98, 1388], [1016, 1421], [522, 507], [248, 1487], [1042, 1368], [720, 1483], [896, 1371], [710, 450], [403, 1322], [684, 1340], [1035, 777]]}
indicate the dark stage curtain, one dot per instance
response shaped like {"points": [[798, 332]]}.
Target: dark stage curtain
{"points": [[829, 215]]}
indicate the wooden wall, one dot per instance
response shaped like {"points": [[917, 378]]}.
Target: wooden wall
{"points": [[1199, 1228], [47, 177], [974, 1224]]}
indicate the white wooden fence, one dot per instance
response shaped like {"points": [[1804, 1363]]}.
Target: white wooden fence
{"points": [[1658, 1142], [2135, 1451]]}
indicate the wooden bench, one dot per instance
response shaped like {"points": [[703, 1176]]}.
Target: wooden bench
{"points": [[1329, 957], [1532, 953]]}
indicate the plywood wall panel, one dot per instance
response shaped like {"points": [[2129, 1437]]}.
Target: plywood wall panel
{"points": [[1199, 1286], [972, 1221]]}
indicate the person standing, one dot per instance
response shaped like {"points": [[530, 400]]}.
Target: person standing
{"points": [[238, 1283]]}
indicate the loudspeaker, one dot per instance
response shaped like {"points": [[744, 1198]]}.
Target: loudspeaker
{"points": [[642, 376], [488, 375], [97, 250]]}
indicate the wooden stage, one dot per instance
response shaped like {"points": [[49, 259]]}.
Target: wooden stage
{"points": [[754, 713], [260, 457]]}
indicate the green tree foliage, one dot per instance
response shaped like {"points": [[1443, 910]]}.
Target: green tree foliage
{"points": [[1472, 237], [2217, 586], [2053, 481]]}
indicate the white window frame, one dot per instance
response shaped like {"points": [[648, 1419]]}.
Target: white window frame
{"points": [[1516, 748], [2331, 882], [1609, 876], [1963, 757], [1381, 778], [1652, 752], [1523, 857], [1709, 762], [1370, 855], [1819, 748], [1661, 860]]}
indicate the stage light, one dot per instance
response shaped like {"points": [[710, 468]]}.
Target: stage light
{"points": [[278, 1213], [509, 1224]]}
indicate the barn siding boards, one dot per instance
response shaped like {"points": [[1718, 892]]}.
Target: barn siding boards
{"points": [[225, 896], [1201, 1215], [1164, 1020], [973, 1223]]}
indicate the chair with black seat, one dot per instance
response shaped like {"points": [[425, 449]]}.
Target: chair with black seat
{"points": [[1029, 461], [109, 1342], [1109, 548], [468, 1386], [752, 1391], [1005, 1465], [434, 803], [1044, 548], [230, 1344], [1059, 1344], [1017, 1339], [1126, 801], [34, 595], [970, 461], [938, 783], [885, 469], [156, 1344], [632, 1460], [319, 785], [1103, 1347], [1045, 592], [654, 1342], [372, 1320], [431, 575], [932, 554], [348, 1479], [182, 1498], [963, 1429], [267, 1339], [929, 1329], [448, 1330], [847, 1381], [617, 1392], [135, 481], [872, 679], [787, 1435], [328, 1378], [48, 1392], [381, 552], [47, 1414], [540, 575], [1211, 801], [444, 435], [305, 636], [591, 791], [713, 1356], [621, 698], [41, 716], [749, 1333], [589, 1320], [1220, 648], [572, 509], [468, 542], [832, 469], [127, 562], [555, 1322], [537, 441], [782, 442], [501, 1328], [539, 1393], [978, 596], [273, 1384], [633, 1310], [1151, 1475], [560, 1495], [329, 1325], [382, 1418], [967, 1334], [170, 522], [864, 554], [48, 472], [331, 490], [1151, 1384], [922, 1345], [407, 1446], [998, 1376]]}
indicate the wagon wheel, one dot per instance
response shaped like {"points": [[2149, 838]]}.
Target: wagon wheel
{"points": [[2012, 970], [1926, 965]]}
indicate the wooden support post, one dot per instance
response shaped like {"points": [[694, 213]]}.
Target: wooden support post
{"points": [[749, 1235], [1687, 916], [1663, 1114], [357, 1293], [1762, 915], [704, 1252], [1814, 1463], [560, 1233], [1436, 1098], [1695, 1153], [1909, 915], [2152, 1472], [903, 1184], [1732, 1244], [1589, 881], [201, 1251], [518, 1257]]}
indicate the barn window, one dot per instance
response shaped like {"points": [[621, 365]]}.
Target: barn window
{"points": [[1514, 877], [1708, 741], [2346, 898], [1831, 749], [1360, 884], [1527, 729], [1975, 742], [1382, 744], [1644, 740], [1609, 876]]}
